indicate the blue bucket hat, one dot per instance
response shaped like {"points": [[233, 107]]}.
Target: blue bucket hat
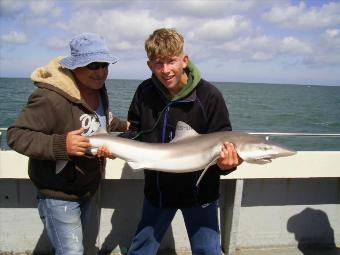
{"points": [[85, 49]]}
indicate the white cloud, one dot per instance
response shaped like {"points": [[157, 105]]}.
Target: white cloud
{"points": [[10, 7], [44, 8], [14, 37], [122, 30], [220, 29], [258, 48], [294, 45], [265, 48], [333, 33], [323, 59], [262, 56], [31, 13], [57, 42], [279, 14], [327, 50], [301, 17], [204, 8], [247, 43]]}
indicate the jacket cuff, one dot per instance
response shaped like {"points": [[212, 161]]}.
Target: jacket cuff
{"points": [[117, 125], [59, 147], [225, 172]]}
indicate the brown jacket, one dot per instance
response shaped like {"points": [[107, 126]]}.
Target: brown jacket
{"points": [[39, 132]]}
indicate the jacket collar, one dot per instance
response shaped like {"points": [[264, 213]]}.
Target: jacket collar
{"points": [[57, 77]]}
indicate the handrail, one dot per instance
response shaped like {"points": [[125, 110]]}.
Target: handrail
{"points": [[273, 133], [1, 132], [296, 134]]}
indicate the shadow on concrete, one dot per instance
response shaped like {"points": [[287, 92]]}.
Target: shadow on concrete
{"points": [[313, 191], [313, 232], [43, 245], [127, 213]]}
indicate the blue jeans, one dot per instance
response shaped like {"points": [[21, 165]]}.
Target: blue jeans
{"points": [[201, 224], [63, 221]]}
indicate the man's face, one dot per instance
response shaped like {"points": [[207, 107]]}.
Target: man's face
{"points": [[169, 71], [92, 78]]}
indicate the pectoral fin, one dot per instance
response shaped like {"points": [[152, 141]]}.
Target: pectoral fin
{"points": [[260, 161], [135, 165], [60, 165], [93, 151]]}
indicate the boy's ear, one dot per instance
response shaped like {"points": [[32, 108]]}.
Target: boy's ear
{"points": [[185, 61], [149, 64]]}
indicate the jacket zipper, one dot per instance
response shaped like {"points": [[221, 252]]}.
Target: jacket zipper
{"points": [[163, 141]]}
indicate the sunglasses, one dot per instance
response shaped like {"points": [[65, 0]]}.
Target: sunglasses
{"points": [[97, 65]]}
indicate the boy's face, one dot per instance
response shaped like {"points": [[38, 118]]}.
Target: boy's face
{"points": [[170, 71]]}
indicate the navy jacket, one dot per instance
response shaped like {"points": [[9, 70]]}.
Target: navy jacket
{"points": [[205, 111]]}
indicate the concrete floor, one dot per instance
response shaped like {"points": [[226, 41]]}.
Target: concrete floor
{"points": [[289, 251], [267, 251]]}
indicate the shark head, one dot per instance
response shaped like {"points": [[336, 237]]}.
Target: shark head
{"points": [[262, 151]]}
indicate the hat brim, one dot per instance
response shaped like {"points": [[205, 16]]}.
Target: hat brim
{"points": [[73, 62]]}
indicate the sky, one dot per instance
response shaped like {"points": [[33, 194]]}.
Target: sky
{"points": [[257, 41]]}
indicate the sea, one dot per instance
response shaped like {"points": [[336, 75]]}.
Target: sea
{"points": [[253, 107]]}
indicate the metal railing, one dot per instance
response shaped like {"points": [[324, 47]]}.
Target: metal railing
{"points": [[296, 134], [272, 134], [1, 131]]}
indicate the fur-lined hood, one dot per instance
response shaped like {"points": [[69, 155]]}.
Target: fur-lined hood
{"points": [[56, 76]]}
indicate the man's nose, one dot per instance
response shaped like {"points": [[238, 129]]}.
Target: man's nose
{"points": [[165, 68], [101, 71]]}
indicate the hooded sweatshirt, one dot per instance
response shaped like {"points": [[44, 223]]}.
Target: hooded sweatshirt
{"points": [[154, 115], [39, 132]]}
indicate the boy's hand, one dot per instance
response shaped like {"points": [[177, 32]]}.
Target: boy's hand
{"points": [[228, 157], [105, 152], [76, 144]]}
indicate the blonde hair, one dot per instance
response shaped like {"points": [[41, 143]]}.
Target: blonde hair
{"points": [[164, 42]]}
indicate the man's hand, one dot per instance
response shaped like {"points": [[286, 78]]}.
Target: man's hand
{"points": [[105, 152], [228, 157], [76, 144]]}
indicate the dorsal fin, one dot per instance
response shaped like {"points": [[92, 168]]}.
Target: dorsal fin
{"points": [[100, 130], [183, 131]]}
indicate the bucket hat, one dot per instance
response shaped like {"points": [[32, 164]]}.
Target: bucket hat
{"points": [[85, 49]]}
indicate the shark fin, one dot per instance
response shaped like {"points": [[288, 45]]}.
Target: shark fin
{"points": [[60, 165], [100, 130], [213, 162], [92, 151], [259, 161], [183, 131], [262, 161], [135, 166]]}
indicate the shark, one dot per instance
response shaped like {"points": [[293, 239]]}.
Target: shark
{"points": [[189, 151]]}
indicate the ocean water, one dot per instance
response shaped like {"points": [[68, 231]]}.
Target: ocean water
{"points": [[253, 107]]}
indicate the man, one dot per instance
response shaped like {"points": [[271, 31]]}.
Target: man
{"points": [[176, 92], [69, 103]]}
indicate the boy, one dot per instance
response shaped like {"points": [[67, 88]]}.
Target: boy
{"points": [[176, 92]]}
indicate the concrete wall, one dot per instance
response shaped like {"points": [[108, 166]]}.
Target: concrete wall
{"points": [[287, 203]]}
